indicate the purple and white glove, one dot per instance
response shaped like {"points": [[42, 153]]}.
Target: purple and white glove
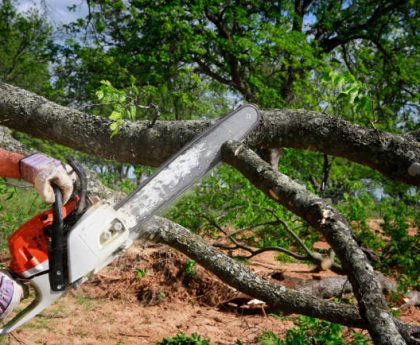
{"points": [[42, 170], [11, 293]]}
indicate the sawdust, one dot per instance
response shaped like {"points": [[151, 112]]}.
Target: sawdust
{"points": [[153, 276]]}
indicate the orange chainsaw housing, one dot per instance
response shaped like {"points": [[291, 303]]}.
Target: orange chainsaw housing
{"points": [[29, 245]]}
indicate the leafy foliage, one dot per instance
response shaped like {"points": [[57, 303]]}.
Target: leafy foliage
{"points": [[189, 268], [398, 250], [225, 198], [312, 331], [182, 339], [402, 251], [17, 206], [140, 273], [25, 48], [271, 53]]}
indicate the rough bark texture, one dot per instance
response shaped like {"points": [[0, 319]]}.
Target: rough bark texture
{"points": [[236, 275], [332, 225], [395, 156], [336, 286]]}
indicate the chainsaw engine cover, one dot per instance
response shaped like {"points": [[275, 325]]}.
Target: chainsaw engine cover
{"points": [[29, 244], [93, 241]]}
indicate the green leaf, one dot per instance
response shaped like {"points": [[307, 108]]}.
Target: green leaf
{"points": [[100, 94], [114, 128], [132, 112], [115, 115]]}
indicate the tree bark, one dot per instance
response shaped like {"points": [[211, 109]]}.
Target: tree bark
{"points": [[329, 222], [397, 157]]}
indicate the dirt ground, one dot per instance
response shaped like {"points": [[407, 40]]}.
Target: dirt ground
{"points": [[148, 294]]}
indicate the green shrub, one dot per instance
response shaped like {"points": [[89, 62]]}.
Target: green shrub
{"points": [[401, 252], [190, 268], [312, 331], [17, 206], [183, 339]]}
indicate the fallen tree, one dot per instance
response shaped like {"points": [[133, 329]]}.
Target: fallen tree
{"points": [[395, 156]]}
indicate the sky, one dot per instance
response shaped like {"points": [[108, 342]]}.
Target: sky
{"points": [[57, 11]]}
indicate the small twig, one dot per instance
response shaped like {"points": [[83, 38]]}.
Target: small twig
{"points": [[316, 258], [377, 131], [325, 174], [224, 246], [157, 115], [17, 339], [134, 335], [275, 249], [275, 222]]}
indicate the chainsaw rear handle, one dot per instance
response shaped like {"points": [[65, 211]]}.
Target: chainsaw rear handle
{"points": [[44, 297], [57, 246], [57, 250]]}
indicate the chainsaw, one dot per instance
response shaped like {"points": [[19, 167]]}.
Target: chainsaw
{"points": [[60, 248]]}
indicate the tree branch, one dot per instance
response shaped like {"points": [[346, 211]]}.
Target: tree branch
{"points": [[355, 31], [236, 275], [316, 258], [332, 225], [25, 111], [395, 156]]}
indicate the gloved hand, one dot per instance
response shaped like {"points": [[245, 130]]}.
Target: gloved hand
{"points": [[11, 293], [42, 171]]}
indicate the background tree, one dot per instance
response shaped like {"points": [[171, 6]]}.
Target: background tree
{"points": [[26, 47], [355, 59], [272, 53]]}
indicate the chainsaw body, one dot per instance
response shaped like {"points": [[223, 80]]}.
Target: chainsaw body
{"points": [[61, 248], [29, 244], [30, 247]]}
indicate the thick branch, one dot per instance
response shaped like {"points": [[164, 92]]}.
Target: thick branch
{"points": [[332, 225], [395, 156], [236, 275]]}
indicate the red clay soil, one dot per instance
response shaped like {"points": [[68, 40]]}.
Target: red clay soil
{"points": [[147, 295]]}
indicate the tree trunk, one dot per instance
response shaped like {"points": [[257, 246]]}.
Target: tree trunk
{"points": [[332, 225]]}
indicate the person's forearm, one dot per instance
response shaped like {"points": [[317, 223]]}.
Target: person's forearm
{"points": [[9, 164]]}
